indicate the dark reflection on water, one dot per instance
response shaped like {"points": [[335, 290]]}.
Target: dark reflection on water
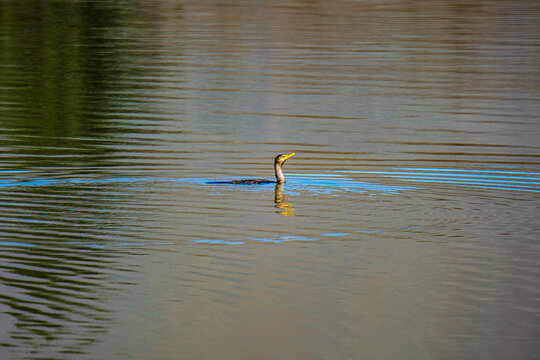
{"points": [[60, 64], [53, 297], [409, 215]]}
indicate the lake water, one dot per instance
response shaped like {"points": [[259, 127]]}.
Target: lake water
{"points": [[408, 227]]}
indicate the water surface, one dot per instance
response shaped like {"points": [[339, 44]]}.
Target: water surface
{"points": [[408, 225]]}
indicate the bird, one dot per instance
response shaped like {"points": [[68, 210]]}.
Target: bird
{"points": [[280, 179]]}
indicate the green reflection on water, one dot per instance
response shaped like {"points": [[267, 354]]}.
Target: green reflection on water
{"points": [[60, 63]]}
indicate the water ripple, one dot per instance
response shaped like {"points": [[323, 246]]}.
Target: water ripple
{"points": [[472, 178]]}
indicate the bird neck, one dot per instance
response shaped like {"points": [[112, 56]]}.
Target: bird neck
{"points": [[279, 174]]}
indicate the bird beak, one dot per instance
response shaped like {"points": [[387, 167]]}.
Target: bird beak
{"points": [[285, 157]]}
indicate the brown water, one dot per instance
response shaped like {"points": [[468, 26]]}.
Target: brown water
{"points": [[408, 227]]}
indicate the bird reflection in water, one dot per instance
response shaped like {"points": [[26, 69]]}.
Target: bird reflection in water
{"points": [[284, 208]]}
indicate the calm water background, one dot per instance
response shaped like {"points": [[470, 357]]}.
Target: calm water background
{"points": [[408, 227]]}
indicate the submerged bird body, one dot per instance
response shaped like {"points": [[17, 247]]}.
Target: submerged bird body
{"points": [[280, 179], [250, 181]]}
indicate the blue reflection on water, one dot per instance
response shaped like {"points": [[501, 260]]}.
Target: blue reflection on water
{"points": [[321, 184], [285, 238], [15, 243], [472, 178], [13, 171], [297, 238], [267, 240], [333, 183], [277, 239], [474, 184], [314, 183], [491, 178], [216, 241], [470, 170]]}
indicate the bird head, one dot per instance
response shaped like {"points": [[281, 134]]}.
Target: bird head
{"points": [[281, 158]]}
